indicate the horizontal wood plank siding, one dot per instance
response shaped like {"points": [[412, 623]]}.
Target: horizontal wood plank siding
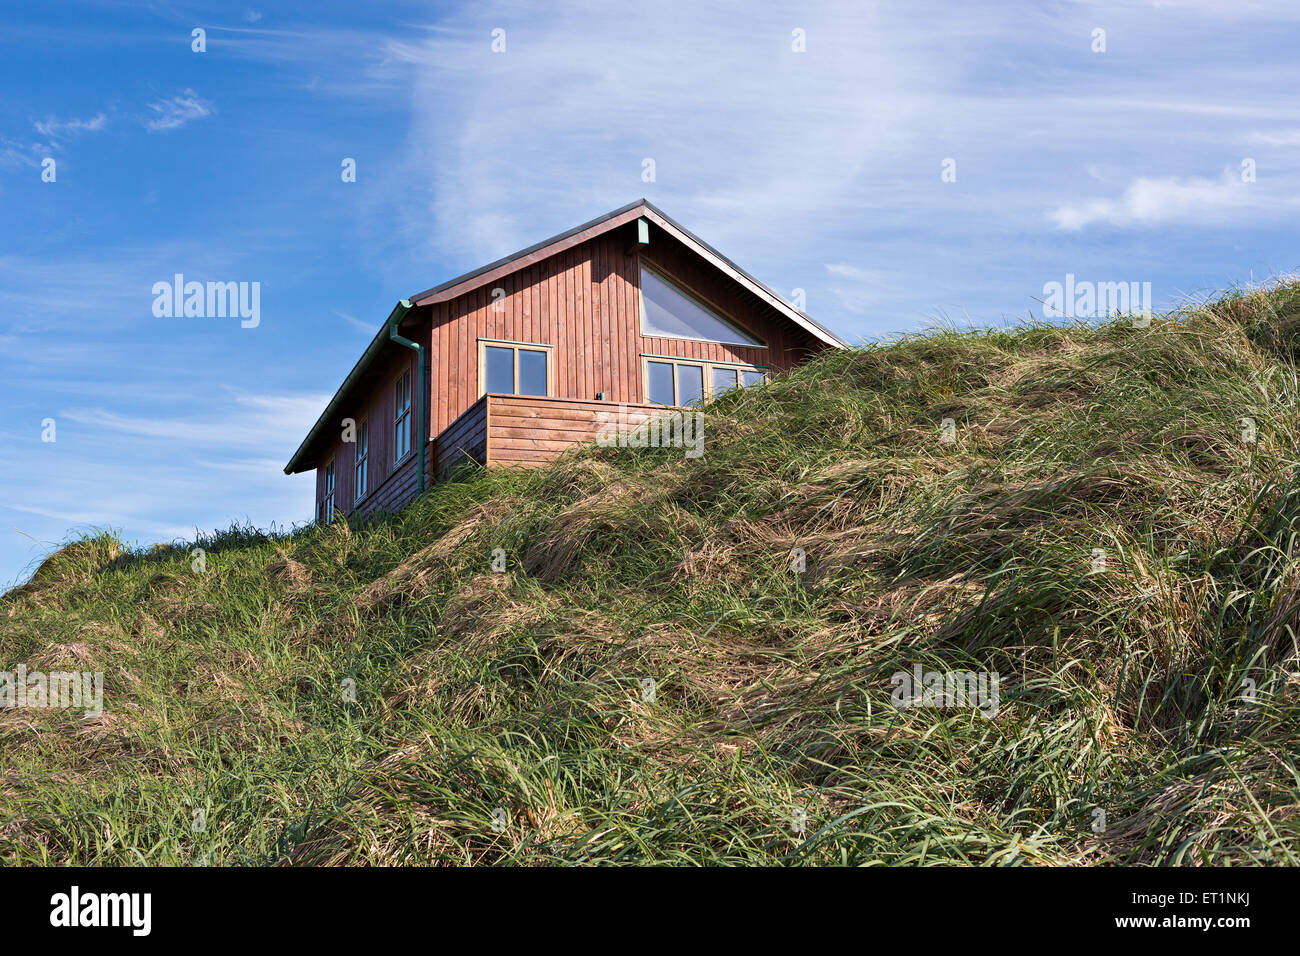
{"points": [[397, 490], [465, 438], [532, 431]]}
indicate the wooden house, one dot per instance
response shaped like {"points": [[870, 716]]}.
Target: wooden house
{"points": [[516, 361]]}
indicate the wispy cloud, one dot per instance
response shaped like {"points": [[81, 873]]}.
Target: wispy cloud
{"points": [[246, 420], [176, 111], [15, 154], [61, 129], [368, 327], [1277, 137], [854, 290], [1158, 201]]}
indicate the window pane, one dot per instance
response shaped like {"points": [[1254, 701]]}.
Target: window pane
{"points": [[751, 378], [659, 382], [499, 367], [402, 437], [532, 372], [724, 380], [690, 384], [670, 311]]}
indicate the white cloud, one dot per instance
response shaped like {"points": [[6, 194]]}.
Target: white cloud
{"points": [[15, 155], [855, 290], [370, 328], [257, 421], [1279, 137], [856, 273], [1156, 201], [176, 111], [61, 129], [722, 104]]}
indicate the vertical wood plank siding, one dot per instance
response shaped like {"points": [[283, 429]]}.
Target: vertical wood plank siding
{"points": [[585, 302]]}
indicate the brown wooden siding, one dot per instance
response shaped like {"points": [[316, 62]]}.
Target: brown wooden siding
{"points": [[397, 489], [528, 430], [585, 303], [375, 404], [464, 439]]}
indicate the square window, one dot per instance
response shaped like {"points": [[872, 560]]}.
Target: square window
{"points": [[724, 380], [508, 369]]}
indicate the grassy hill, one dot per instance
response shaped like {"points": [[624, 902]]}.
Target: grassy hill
{"points": [[1101, 531]]}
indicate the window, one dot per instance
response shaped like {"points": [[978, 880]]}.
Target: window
{"points": [[514, 368], [669, 310], [670, 381], [402, 418], [660, 383], [325, 512], [363, 460], [690, 384]]}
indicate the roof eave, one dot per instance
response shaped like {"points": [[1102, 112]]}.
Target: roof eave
{"points": [[368, 357], [612, 220]]}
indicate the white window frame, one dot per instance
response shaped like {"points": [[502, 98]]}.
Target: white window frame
{"points": [[361, 463], [547, 350], [701, 301], [402, 417], [707, 366]]}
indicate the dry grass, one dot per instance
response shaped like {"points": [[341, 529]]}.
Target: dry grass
{"points": [[654, 679]]}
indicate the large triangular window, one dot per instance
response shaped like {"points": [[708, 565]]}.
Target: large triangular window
{"points": [[670, 311]]}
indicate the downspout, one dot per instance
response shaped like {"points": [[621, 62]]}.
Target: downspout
{"points": [[421, 395]]}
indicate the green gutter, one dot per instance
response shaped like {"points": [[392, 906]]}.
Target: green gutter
{"points": [[421, 399], [327, 420]]}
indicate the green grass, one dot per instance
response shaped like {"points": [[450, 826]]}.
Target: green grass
{"points": [[1125, 733]]}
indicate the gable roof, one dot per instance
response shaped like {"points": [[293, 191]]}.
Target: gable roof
{"points": [[458, 286], [612, 220]]}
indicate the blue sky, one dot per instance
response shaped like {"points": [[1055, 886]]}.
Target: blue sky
{"points": [[817, 170]]}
